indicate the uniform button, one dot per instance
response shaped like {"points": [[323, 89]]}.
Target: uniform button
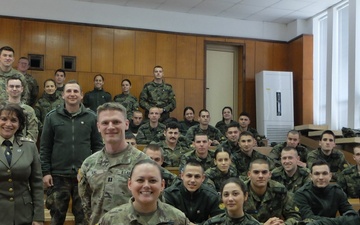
{"points": [[8, 171], [10, 180], [10, 189], [11, 199]]}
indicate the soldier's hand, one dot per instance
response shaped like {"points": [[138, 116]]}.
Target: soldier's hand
{"points": [[48, 181], [301, 164], [274, 221]]}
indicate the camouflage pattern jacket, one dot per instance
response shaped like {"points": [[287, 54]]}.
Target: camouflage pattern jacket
{"points": [[276, 202], [129, 101], [222, 126], [103, 181], [45, 104], [158, 95], [172, 157], [31, 129], [33, 89], [230, 146], [336, 161], [218, 177], [224, 219], [185, 125], [126, 215], [276, 153], [207, 162], [349, 181], [212, 132], [301, 177], [147, 134]]}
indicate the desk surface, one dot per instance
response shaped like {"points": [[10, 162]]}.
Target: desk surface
{"points": [[352, 140], [311, 127]]}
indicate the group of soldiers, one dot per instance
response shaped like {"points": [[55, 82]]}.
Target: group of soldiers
{"points": [[88, 156]]}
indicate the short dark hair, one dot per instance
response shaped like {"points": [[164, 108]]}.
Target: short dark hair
{"points": [[327, 132], [289, 148], [157, 66], [203, 110], [7, 48], [15, 77], [259, 161], [99, 75], [111, 106], [49, 80], [221, 149], [188, 108], [246, 133], [320, 162], [60, 70], [72, 82], [19, 112], [244, 114], [193, 162], [172, 125], [154, 147], [293, 132], [232, 124]]}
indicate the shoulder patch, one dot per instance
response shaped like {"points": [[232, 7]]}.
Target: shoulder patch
{"points": [[23, 139]]}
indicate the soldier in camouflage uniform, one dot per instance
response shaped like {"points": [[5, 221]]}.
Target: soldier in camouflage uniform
{"points": [[173, 148], [335, 158], [292, 140], [226, 120], [244, 121], [232, 135], [189, 114], [149, 131], [135, 122], [268, 199], [202, 154], [126, 99], [6, 71], [215, 136], [156, 153], [103, 176], [47, 102], [59, 77], [234, 194], [290, 174], [14, 89], [32, 84], [158, 94], [223, 170], [143, 209], [98, 96], [247, 154], [349, 179]]}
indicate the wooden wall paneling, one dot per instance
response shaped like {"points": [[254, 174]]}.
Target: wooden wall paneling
{"points": [[280, 57], [249, 59], [307, 57], [124, 51], [102, 55], [307, 103], [166, 53], [296, 58], [235, 40], [40, 77], [145, 52], [72, 76], [241, 80], [200, 58], [80, 46], [216, 39], [186, 56], [86, 80], [250, 104], [263, 56], [10, 31], [194, 95], [178, 87], [33, 37], [57, 44]]}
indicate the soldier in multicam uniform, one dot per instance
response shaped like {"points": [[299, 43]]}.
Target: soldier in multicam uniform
{"points": [[290, 174], [144, 207], [6, 71], [215, 136], [223, 170], [319, 199], [172, 146], [292, 140], [149, 131], [14, 89], [156, 153], [158, 94], [126, 99], [98, 96], [47, 102], [247, 154], [349, 179], [269, 200], [32, 84], [200, 154], [103, 176], [234, 194], [335, 158]]}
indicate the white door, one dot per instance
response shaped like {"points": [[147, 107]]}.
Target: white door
{"points": [[221, 80]]}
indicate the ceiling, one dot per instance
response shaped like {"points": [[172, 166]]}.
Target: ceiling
{"points": [[277, 11]]}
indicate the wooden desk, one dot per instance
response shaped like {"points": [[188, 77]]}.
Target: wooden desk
{"points": [[263, 150], [355, 202], [338, 133]]}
